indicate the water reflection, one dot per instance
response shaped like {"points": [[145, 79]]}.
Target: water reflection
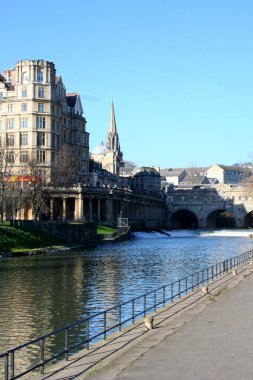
{"points": [[40, 294]]}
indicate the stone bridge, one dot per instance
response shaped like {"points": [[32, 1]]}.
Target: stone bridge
{"points": [[202, 207]]}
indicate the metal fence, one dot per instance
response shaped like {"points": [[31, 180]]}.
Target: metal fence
{"points": [[100, 325]]}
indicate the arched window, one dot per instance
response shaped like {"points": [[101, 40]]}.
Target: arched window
{"points": [[25, 77], [40, 76]]}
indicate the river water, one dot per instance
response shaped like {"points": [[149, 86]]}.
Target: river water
{"points": [[42, 293]]}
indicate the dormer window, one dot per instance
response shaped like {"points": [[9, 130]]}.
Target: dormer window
{"points": [[25, 78], [39, 76]]}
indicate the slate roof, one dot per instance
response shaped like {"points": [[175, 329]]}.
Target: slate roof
{"points": [[71, 99], [2, 79], [171, 172], [234, 168]]}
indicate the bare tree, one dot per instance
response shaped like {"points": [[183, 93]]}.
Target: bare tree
{"points": [[7, 161], [36, 194], [65, 168]]}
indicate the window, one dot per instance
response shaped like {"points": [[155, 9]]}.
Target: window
{"points": [[23, 122], [23, 138], [53, 124], [10, 139], [23, 107], [24, 92], [10, 157], [1, 96], [25, 77], [23, 156], [41, 138], [41, 92], [41, 107], [10, 123], [41, 155], [40, 76], [10, 107], [40, 122], [1, 125]]}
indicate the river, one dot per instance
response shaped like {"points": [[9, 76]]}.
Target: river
{"points": [[42, 293]]}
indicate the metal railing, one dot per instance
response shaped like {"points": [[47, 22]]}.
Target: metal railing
{"points": [[115, 318]]}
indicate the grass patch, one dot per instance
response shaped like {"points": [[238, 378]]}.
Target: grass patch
{"points": [[105, 230], [14, 239]]}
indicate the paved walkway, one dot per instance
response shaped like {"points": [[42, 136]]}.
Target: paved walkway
{"points": [[217, 345], [196, 338]]}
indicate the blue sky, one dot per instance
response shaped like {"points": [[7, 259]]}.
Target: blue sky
{"points": [[180, 71]]}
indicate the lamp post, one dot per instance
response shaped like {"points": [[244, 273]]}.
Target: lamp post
{"points": [[4, 203], [13, 205], [22, 200]]}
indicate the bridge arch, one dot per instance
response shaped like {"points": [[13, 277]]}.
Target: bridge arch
{"points": [[184, 219], [220, 219], [248, 220]]}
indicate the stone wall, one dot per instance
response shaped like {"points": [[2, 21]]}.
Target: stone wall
{"points": [[72, 233]]}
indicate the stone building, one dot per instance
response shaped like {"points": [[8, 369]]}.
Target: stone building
{"points": [[143, 180], [38, 117], [99, 177], [109, 154], [229, 174]]}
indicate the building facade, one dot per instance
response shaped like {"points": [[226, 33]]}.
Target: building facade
{"points": [[38, 118], [229, 174]]}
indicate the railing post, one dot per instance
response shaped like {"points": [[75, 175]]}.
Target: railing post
{"points": [[192, 283], [179, 288], [42, 356], [155, 301], [203, 277], [144, 305], [164, 296], [132, 311], [119, 317], [197, 280], [104, 325], [212, 272], [172, 292], [87, 333], [12, 372], [66, 344], [186, 285], [6, 367]]}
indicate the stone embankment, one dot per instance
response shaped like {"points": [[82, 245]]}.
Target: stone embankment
{"points": [[198, 337]]}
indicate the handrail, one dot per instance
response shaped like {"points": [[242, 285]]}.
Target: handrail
{"points": [[125, 312]]}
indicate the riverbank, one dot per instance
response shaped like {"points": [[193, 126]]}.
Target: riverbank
{"points": [[26, 241]]}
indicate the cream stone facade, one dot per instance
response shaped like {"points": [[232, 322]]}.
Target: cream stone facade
{"points": [[37, 117], [229, 174]]}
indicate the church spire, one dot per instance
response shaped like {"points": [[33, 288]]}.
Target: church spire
{"points": [[112, 126], [112, 134]]}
